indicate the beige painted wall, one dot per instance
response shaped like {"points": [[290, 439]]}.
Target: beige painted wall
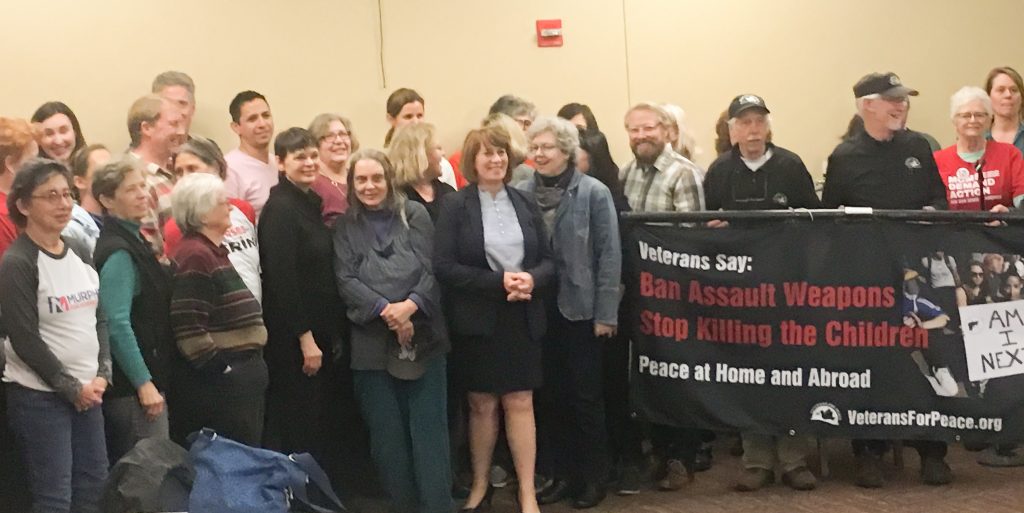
{"points": [[309, 56]]}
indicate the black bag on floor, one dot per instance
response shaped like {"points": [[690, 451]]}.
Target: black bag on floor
{"points": [[154, 476]]}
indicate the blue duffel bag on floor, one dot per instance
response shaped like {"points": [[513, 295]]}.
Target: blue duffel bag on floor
{"points": [[234, 478]]}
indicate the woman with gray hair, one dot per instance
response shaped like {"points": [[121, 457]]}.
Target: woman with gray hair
{"points": [[383, 248], [336, 141], [975, 164], [200, 155], [217, 322], [135, 293], [580, 216]]}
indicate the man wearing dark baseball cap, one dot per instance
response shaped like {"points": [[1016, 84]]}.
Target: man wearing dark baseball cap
{"points": [[883, 166], [886, 167], [755, 174], [886, 85]]}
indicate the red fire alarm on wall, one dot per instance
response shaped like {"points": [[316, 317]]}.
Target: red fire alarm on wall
{"points": [[549, 33]]}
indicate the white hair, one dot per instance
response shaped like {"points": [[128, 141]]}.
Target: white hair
{"points": [[968, 94], [567, 136], [194, 196]]}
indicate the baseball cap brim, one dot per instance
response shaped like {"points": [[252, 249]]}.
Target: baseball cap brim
{"points": [[900, 91], [750, 106]]}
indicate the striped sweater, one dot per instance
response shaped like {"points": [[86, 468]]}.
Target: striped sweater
{"points": [[212, 310]]}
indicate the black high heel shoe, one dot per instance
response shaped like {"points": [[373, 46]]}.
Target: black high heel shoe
{"points": [[485, 503]]}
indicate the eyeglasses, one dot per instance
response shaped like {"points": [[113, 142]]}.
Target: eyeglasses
{"points": [[977, 275], [55, 197], [967, 116], [637, 130], [545, 148], [330, 136]]}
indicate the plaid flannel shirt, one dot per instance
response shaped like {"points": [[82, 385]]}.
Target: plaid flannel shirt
{"points": [[672, 184], [160, 183]]}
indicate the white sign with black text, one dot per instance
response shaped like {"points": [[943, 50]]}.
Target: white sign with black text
{"points": [[993, 339]]}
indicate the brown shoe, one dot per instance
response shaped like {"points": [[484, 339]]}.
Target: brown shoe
{"points": [[800, 479], [676, 476], [754, 479]]}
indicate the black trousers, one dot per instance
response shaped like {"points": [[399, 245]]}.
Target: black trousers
{"points": [[925, 448], [232, 403], [625, 432], [572, 429]]}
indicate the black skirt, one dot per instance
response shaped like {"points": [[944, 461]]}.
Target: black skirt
{"points": [[507, 361]]}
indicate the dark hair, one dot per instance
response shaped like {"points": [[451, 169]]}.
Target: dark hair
{"points": [[292, 140], [29, 177], [602, 165], [1010, 72], [477, 140], [723, 143], [854, 127], [207, 152], [50, 109], [399, 99], [571, 110], [235, 107]]}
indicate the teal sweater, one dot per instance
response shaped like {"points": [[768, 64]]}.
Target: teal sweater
{"points": [[119, 284]]}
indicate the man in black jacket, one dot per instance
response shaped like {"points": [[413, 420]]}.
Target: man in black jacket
{"points": [[887, 167], [756, 174]]}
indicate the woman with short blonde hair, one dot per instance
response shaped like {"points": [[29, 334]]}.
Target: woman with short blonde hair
{"points": [[416, 155]]}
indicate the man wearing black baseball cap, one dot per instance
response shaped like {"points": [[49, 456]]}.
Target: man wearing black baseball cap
{"points": [[886, 167], [756, 174]]}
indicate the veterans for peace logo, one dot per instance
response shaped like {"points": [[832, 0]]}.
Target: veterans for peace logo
{"points": [[827, 413], [894, 80], [912, 163], [748, 99]]}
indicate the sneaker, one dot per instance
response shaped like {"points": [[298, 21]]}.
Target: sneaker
{"points": [[869, 471], [935, 471], [676, 476], [499, 477], [754, 479], [629, 481], [1003, 455], [800, 479]]}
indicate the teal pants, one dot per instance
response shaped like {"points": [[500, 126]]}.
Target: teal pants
{"points": [[408, 424]]}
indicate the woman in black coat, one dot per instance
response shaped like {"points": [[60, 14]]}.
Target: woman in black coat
{"points": [[302, 311], [492, 258]]}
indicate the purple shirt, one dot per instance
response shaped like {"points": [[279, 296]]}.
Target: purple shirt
{"points": [[249, 179], [333, 196]]}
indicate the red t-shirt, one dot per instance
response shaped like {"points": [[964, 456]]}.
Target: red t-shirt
{"points": [[8, 231], [172, 234], [1002, 168]]}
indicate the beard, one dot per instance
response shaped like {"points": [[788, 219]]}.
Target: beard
{"points": [[647, 151]]}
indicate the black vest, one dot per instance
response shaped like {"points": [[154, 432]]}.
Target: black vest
{"points": [[151, 308]]}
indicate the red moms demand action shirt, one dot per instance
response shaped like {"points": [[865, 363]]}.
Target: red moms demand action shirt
{"points": [[1002, 168]]}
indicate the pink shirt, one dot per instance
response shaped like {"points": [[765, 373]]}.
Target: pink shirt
{"points": [[249, 179]]}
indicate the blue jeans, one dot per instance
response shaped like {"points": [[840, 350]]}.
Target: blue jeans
{"points": [[64, 450], [409, 436]]}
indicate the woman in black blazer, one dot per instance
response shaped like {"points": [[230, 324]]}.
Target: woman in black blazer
{"points": [[302, 310], [492, 259]]}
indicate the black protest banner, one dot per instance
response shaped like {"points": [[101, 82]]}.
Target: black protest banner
{"points": [[831, 328]]}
